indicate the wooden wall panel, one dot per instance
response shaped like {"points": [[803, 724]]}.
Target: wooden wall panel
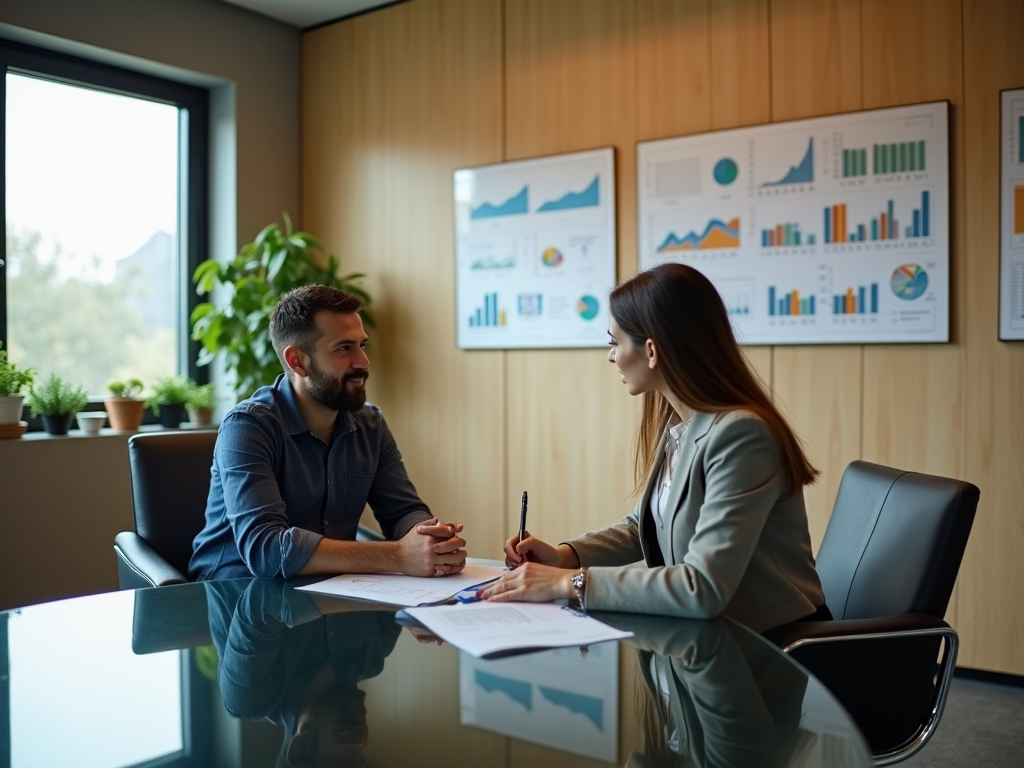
{"points": [[570, 78], [989, 617], [673, 68], [912, 53], [388, 114], [816, 70], [740, 89]]}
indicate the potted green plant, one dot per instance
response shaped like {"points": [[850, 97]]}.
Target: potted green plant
{"points": [[12, 380], [56, 400], [200, 404], [250, 285], [169, 398], [125, 407]]}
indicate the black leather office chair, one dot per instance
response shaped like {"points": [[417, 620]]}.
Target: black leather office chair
{"points": [[170, 474], [888, 563]]}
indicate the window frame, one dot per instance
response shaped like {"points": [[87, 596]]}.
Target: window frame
{"points": [[193, 172]]}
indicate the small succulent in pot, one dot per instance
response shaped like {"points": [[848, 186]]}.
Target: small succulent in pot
{"points": [[56, 400], [125, 407]]}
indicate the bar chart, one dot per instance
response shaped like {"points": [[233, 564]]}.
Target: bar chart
{"points": [[488, 315], [860, 301], [898, 158], [791, 303], [855, 163], [884, 226], [784, 235]]}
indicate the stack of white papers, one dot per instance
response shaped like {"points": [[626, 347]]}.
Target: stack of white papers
{"points": [[486, 628], [398, 589]]}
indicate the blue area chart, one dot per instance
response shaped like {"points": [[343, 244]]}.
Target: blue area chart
{"points": [[588, 198], [519, 203], [798, 174], [518, 691], [588, 706]]}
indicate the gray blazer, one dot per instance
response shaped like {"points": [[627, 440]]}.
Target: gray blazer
{"points": [[730, 542]]}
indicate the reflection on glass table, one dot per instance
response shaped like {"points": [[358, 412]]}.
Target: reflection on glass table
{"points": [[254, 673]]}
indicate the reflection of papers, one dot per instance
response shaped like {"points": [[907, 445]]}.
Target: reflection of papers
{"points": [[485, 628], [396, 589]]}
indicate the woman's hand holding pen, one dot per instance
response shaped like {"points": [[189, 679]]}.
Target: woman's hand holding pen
{"points": [[537, 551]]}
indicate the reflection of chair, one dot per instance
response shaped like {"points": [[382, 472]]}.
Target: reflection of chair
{"points": [[888, 563], [170, 474]]}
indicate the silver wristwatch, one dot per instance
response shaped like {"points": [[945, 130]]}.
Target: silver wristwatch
{"points": [[579, 583]]}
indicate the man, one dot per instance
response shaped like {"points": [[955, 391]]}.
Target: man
{"points": [[296, 463]]}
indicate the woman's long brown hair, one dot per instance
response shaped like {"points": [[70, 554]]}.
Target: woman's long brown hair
{"points": [[679, 309]]}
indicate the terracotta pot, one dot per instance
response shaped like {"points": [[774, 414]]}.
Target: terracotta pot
{"points": [[10, 408], [201, 417], [124, 412]]}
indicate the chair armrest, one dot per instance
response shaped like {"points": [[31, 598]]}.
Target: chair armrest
{"points": [[139, 566], [886, 672], [799, 633]]}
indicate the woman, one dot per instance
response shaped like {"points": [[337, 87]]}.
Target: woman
{"points": [[721, 522]]}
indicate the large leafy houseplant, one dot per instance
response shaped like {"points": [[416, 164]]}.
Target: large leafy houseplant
{"points": [[249, 286]]}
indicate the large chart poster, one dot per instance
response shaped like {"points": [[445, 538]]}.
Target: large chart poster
{"points": [[535, 251], [814, 231], [1011, 263]]}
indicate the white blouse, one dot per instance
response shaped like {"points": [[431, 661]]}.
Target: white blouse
{"points": [[660, 491]]}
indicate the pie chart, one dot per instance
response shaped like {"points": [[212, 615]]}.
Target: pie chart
{"points": [[552, 257], [588, 307], [909, 282], [726, 171]]}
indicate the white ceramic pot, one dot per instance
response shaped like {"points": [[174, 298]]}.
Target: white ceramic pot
{"points": [[91, 422], [10, 409]]}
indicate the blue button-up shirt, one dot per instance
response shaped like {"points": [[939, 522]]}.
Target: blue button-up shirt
{"points": [[276, 489]]}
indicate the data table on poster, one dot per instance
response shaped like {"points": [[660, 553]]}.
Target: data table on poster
{"points": [[1011, 263], [828, 230], [535, 251]]}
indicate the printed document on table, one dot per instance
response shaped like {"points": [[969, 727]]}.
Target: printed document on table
{"points": [[485, 628], [398, 589]]}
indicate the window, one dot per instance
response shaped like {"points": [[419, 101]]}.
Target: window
{"points": [[104, 200]]}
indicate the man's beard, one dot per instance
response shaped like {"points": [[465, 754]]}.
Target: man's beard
{"points": [[333, 393]]}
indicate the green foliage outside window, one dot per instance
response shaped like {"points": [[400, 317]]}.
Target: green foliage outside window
{"points": [[237, 324]]}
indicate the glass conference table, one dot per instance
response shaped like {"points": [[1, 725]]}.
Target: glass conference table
{"points": [[254, 673]]}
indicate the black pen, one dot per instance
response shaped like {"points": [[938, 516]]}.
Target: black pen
{"points": [[522, 519]]}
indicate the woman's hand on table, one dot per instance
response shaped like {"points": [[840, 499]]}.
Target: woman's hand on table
{"points": [[532, 583]]}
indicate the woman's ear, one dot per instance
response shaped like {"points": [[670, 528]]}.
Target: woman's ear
{"points": [[652, 354]]}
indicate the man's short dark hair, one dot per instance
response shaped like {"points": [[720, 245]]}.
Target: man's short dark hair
{"points": [[293, 320]]}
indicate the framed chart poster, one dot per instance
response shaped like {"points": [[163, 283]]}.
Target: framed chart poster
{"points": [[821, 231], [1011, 227], [535, 252]]}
